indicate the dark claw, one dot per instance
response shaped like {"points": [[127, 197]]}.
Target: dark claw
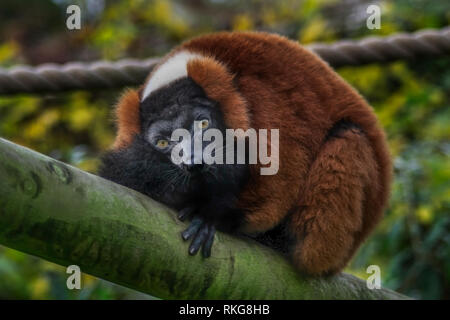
{"points": [[199, 239], [206, 250], [192, 229], [185, 212], [203, 236]]}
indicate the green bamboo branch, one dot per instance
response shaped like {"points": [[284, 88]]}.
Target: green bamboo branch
{"points": [[67, 216]]}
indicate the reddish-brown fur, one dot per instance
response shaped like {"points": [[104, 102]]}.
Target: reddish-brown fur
{"points": [[335, 189], [217, 83], [127, 117]]}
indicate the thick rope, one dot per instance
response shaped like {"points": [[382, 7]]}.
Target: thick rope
{"points": [[74, 75], [102, 74], [384, 49]]}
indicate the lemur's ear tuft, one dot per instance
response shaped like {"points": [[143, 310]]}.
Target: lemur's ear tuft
{"points": [[127, 118], [217, 82]]}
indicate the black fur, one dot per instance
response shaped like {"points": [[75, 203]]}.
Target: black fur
{"points": [[342, 126], [212, 192]]}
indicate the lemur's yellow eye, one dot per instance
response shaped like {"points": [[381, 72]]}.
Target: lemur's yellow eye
{"points": [[203, 124], [162, 143]]}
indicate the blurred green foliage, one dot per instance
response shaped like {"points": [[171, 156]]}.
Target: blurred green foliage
{"points": [[412, 243]]}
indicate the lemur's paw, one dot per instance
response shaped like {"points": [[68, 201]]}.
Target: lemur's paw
{"points": [[203, 235]]}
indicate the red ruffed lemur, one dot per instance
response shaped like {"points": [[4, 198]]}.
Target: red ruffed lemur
{"points": [[334, 166]]}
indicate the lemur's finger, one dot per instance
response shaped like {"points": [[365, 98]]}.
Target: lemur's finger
{"points": [[192, 229], [199, 239], [185, 212], [206, 250]]}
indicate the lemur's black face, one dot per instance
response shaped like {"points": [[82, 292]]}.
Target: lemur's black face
{"points": [[147, 165], [183, 105]]}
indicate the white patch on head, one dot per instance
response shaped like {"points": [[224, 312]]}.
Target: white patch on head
{"points": [[173, 69]]}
